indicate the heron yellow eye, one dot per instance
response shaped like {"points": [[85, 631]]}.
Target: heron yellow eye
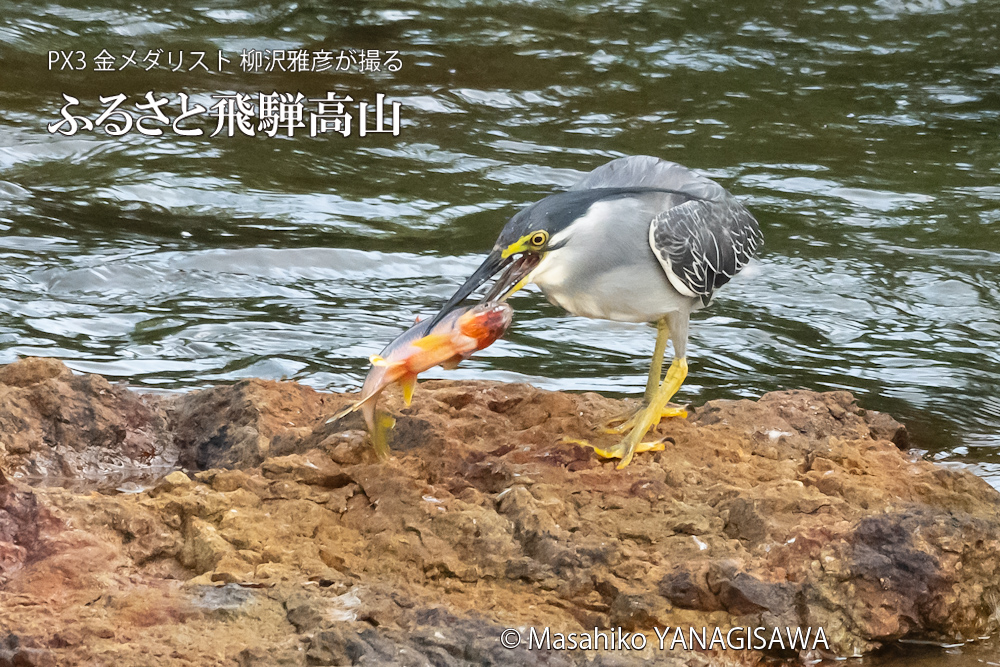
{"points": [[538, 239]]}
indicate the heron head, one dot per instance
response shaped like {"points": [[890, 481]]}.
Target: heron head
{"points": [[527, 237]]}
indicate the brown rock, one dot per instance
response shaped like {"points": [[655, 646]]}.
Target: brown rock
{"points": [[744, 521], [239, 425], [884, 427], [14, 653], [689, 590], [795, 510], [20, 527], [56, 423], [313, 468], [203, 546]]}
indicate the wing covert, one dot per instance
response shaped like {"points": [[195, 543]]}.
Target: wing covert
{"points": [[702, 243]]}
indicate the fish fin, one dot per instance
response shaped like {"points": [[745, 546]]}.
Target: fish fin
{"points": [[432, 341], [408, 383], [353, 407], [380, 434], [343, 413], [376, 360], [346, 411], [452, 364]]}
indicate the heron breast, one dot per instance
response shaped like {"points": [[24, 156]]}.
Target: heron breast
{"points": [[632, 292]]}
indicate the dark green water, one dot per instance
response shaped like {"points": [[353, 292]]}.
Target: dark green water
{"points": [[866, 138]]}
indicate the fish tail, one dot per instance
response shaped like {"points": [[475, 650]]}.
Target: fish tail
{"points": [[380, 433]]}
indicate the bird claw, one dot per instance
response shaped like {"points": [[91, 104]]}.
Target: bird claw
{"points": [[618, 425], [639, 424], [621, 425], [619, 451]]}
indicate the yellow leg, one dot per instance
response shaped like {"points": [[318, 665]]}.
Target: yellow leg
{"points": [[620, 425], [648, 416], [655, 368]]}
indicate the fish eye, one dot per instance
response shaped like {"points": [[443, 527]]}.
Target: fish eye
{"points": [[538, 239]]}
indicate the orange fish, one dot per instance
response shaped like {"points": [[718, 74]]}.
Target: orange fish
{"points": [[452, 340]]}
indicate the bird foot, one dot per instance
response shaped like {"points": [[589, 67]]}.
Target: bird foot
{"points": [[625, 423], [619, 451], [641, 422]]}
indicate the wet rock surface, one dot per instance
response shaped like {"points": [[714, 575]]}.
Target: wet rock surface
{"points": [[58, 424], [286, 543]]}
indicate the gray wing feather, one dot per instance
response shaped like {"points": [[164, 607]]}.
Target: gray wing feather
{"points": [[644, 171], [701, 244]]}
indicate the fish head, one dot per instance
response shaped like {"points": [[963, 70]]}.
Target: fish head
{"points": [[486, 323]]}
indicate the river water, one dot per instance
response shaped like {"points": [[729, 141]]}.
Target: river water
{"points": [[865, 138]]}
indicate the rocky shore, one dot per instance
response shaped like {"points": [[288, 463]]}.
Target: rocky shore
{"points": [[285, 542]]}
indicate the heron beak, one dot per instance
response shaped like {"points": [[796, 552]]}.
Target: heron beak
{"points": [[517, 275], [511, 280], [492, 265]]}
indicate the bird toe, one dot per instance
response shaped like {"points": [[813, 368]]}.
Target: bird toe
{"points": [[625, 423]]}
